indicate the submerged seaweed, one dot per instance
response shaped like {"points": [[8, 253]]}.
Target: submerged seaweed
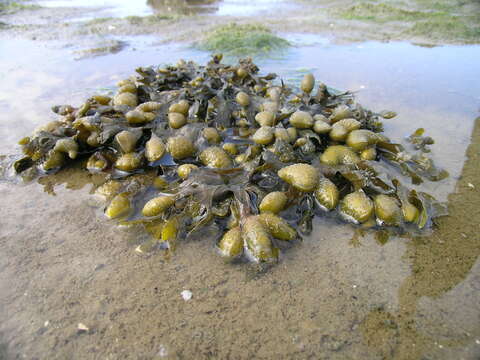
{"points": [[186, 146]]}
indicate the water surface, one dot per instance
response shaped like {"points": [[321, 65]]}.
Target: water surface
{"points": [[123, 8], [339, 294]]}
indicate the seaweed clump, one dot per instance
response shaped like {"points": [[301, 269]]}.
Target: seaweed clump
{"points": [[242, 39], [187, 146]]}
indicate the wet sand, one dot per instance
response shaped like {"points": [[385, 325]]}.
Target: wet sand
{"points": [[339, 294], [336, 295]]}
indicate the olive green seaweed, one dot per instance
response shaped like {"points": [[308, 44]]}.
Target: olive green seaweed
{"points": [[433, 19], [242, 39], [161, 146], [150, 19], [9, 7]]}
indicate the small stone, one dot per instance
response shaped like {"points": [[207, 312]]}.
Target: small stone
{"points": [[82, 328], [162, 352], [186, 295], [471, 186]]}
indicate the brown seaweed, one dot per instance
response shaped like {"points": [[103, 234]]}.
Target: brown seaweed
{"points": [[131, 140]]}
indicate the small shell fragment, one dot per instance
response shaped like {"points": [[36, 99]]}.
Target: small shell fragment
{"points": [[186, 295], [82, 327]]}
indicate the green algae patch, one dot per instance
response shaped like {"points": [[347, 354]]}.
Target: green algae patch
{"points": [[9, 7], [98, 21], [247, 39], [427, 19], [379, 13], [149, 20], [102, 48], [449, 27]]}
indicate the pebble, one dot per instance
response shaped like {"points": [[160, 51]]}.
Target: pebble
{"points": [[186, 295], [82, 327]]}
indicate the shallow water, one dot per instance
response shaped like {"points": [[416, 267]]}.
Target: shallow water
{"points": [[123, 8], [339, 294], [435, 88]]}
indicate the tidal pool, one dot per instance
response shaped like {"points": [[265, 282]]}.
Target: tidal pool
{"points": [[123, 8], [340, 294]]}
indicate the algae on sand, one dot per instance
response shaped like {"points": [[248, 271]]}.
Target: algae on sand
{"points": [[150, 19], [426, 18], [8, 6], [242, 39]]}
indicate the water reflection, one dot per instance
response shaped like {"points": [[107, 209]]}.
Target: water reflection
{"points": [[185, 7], [123, 8], [437, 297], [220, 7], [73, 177]]}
